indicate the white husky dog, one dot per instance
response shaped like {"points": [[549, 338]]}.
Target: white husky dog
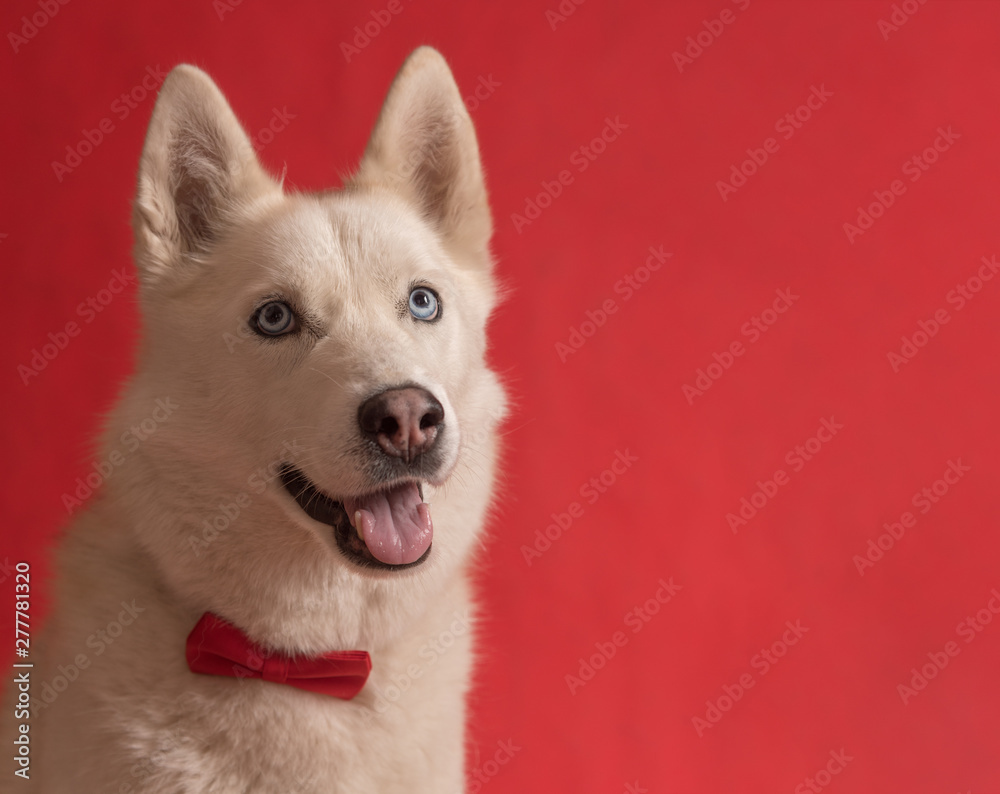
{"points": [[304, 458]]}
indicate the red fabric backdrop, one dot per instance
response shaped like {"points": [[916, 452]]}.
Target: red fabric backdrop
{"points": [[612, 128]]}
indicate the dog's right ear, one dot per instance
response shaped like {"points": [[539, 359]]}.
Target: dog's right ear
{"points": [[198, 170]]}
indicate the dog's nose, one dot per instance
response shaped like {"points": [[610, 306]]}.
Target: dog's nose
{"points": [[405, 422]]}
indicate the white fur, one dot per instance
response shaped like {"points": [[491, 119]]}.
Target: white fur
{"points": [[215, 234]]}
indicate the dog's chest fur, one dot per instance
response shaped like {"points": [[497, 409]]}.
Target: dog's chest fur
{"points": [[136, 720]]}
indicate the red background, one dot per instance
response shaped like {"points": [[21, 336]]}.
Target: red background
{"points": [[656, 184]]}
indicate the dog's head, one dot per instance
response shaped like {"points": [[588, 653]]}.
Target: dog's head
{"points": [[326, 354]]}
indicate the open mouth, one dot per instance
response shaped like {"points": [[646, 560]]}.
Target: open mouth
{"points": [[386, 529]]}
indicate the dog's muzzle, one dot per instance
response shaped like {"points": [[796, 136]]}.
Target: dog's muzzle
{"points": [[390, 526]]}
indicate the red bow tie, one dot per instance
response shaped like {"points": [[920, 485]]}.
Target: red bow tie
{"points": [[216, 647]]}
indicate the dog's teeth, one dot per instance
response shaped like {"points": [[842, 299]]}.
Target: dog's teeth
{"points": [[357, 524]]}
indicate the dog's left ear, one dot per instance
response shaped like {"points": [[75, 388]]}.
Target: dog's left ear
{"points": [[424, 147]]}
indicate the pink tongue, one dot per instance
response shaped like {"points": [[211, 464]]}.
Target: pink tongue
{"points": [[396, 524]]}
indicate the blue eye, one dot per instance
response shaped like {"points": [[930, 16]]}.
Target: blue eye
{"points": [[274, 319], [424, 304]]}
